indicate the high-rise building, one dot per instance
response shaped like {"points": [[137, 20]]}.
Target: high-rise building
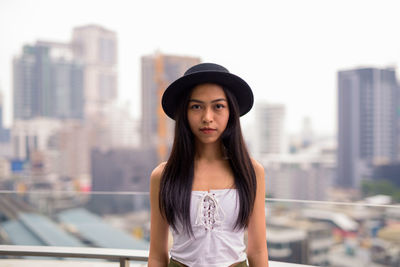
{"points": [[124, 130], [122, 169], [158, 71], [306, 174], [1, 110], [33, 135], [307, 134], [48, 82], [4, 133], [54, 148], [73, 146], [367, 122], [97, 48], [270, 119], [5, 139]]}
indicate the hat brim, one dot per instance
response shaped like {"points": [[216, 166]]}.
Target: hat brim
{"points": [[240, 89]]}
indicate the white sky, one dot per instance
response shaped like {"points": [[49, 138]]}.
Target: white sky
{"points": [[289, 51]]}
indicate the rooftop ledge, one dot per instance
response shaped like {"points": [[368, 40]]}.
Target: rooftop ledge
{"points": [[124, 256]]}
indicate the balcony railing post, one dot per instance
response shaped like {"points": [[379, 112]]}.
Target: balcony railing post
{"points": [[123, 262]]}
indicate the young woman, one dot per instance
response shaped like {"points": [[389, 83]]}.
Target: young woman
{"points": [[210, 190]]}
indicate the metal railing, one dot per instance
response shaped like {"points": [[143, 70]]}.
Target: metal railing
{"points": [[124, 256], [121, 255]]}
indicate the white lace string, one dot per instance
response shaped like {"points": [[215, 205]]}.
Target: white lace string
{"points": [[209, 212]]}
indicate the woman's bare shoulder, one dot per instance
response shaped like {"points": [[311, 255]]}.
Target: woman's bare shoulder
{"points": [[258, 168], [157, 172]]}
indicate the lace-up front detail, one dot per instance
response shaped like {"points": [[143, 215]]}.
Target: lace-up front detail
{"points": [[209, 212], [215, 241]]}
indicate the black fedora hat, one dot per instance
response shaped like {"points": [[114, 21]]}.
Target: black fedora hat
{"points": [[207, 73]]}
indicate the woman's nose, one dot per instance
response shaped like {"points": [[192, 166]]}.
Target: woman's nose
{"points": [[207, 116]]}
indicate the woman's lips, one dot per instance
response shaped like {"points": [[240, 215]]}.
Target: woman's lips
{"points": [[207, 130]]}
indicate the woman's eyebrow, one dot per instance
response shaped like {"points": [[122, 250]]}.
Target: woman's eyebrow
{"points": [[213, 101]]}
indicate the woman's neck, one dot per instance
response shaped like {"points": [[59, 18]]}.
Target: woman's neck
{"points": [[209, 152]]}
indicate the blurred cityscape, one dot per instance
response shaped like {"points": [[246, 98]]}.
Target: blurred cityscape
{"points": [[75, 165]]}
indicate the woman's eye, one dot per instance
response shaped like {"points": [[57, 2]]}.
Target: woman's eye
{"points": [[195, 106], [219, 106]]}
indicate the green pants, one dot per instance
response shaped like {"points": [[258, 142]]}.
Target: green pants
{"points": [[174, 263]]}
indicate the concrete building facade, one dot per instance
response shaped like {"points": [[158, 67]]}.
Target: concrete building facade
{"points": [[270, 120], [367, 122], [48, 82], [97, 48]]}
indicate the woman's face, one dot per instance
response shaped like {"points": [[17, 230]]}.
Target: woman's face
{"points": [[208, 112]]}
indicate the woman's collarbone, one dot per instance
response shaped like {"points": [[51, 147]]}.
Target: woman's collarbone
{"points": [[212, 183]]}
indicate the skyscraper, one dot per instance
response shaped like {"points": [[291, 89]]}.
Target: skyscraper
{"points": [[158, 71], [1, 110], [270, 119], [48, 82], [367, 130], [97, 48], [4, 133]]}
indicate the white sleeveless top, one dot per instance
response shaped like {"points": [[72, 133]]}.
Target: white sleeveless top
{"points": [[215, 243]]}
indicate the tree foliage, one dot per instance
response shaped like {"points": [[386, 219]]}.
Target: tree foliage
{"points": [[380, 187]]}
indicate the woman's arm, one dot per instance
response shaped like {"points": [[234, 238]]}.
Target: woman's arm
{"points": [[158, 255], [257, 241]]}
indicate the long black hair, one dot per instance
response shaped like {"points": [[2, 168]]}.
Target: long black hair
{"points": [[177, 177]]}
